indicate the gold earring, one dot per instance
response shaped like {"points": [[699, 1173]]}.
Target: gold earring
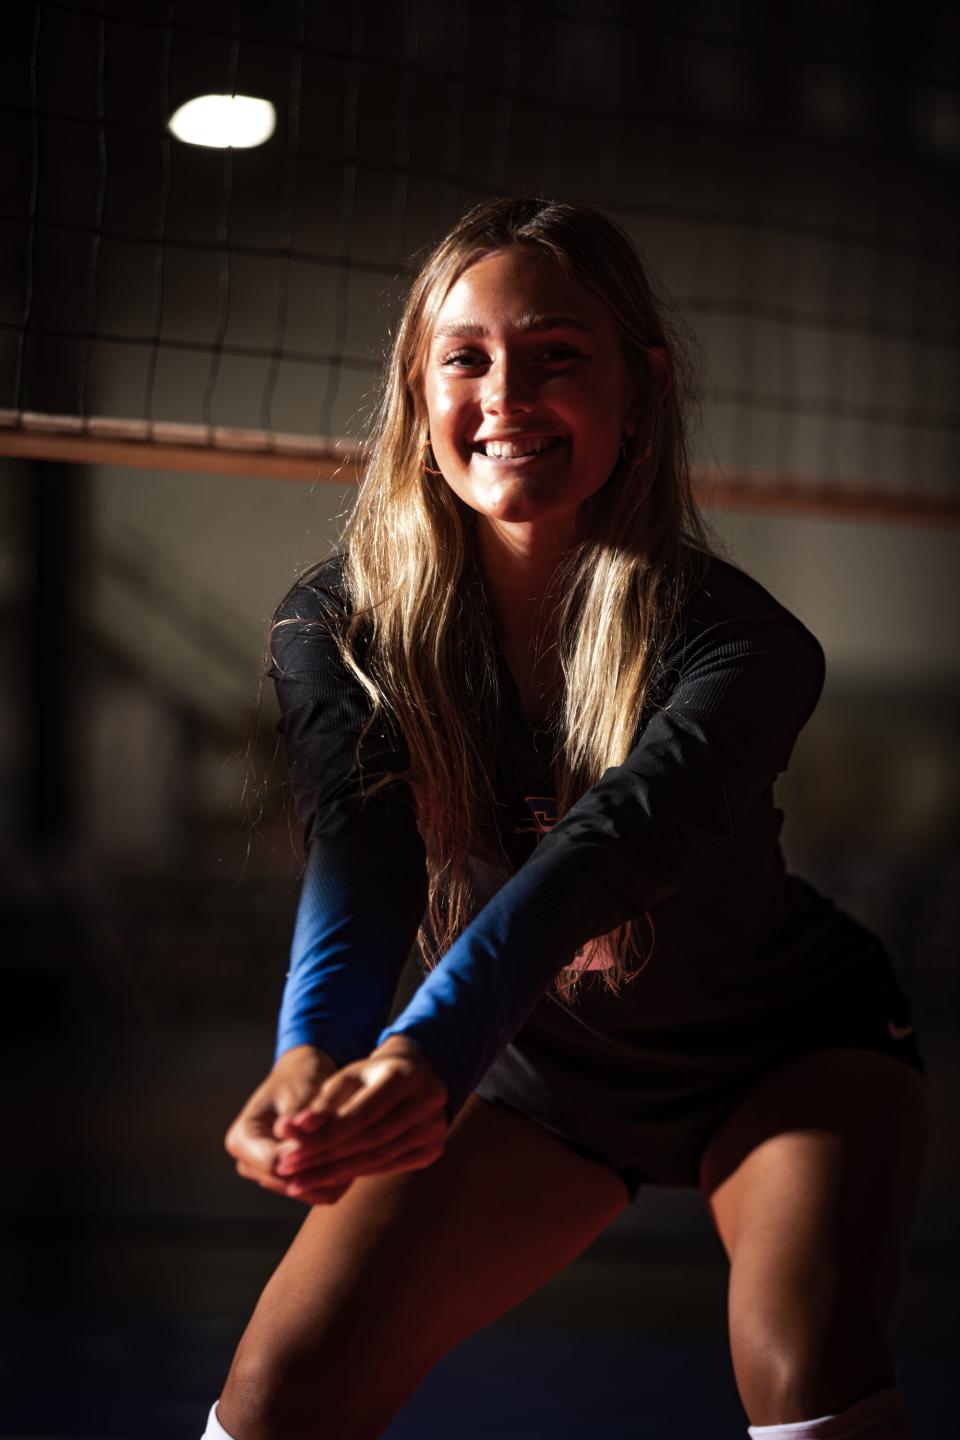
{"points": [[426, 467]]}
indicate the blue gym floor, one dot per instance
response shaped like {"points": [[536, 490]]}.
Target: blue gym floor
{"points": [[132, 1256], [615, 1346]]}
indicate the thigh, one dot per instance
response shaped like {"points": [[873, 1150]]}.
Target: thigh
{"points": [[812, 1183], [377, 1287]]}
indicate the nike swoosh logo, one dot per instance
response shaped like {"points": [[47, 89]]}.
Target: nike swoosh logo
{"points": [[899, 1032]]}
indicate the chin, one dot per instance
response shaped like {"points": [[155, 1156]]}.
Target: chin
{"points": [[517, 508]]}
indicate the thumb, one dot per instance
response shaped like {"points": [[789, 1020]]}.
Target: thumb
{"points": [[333, 1093], [289, 1102]]}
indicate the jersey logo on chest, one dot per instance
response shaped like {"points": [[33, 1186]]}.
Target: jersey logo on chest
{"points": [[542, 817]]}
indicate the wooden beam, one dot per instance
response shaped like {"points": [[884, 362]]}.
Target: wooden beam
{"points": [[161, 446], [268, 455]]}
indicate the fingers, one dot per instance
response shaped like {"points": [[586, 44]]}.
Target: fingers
{"points": [[384, 1113], [268, 1120], [414, 1147], [377, 1101], [417, 1158], [288, 1127], [254, 1142], [372, 1131], [318, 1193], [246, 1141], [344, 1137], [353, 1101], [264, 1179]]}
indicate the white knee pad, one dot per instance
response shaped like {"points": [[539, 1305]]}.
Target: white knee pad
{"points": [[214, 1430], [878, 1417]]}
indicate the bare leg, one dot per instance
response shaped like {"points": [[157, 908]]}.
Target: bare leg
{"points": [[812, 1183], [376, 1288]]}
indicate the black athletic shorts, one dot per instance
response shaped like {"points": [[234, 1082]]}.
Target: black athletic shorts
{"points": [[650, 1111]]}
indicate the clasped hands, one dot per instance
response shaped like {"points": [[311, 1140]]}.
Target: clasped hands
{"points": [[384, 1113]]}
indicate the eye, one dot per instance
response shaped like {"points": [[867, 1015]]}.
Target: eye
{"points": [[564, 352], [457, 355]]}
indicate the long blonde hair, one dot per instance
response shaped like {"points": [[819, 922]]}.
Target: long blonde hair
{"points": [[420, 637]]}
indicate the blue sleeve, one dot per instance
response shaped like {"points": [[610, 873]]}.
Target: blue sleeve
{"points": [[745, 686], [360, 905], [364, 886]]}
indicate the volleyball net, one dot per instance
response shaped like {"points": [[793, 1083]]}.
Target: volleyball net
{"points": [[792, 187]]}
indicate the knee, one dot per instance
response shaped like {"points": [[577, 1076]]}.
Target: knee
{"points": [[779, 1375], [780, 1389], [274, 1397], [813, 1353]]}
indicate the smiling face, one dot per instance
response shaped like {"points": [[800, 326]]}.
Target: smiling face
{"points": [[521, 350]]}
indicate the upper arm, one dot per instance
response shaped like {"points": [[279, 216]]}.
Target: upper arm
{"points": [[324, 715], [742, 689]]}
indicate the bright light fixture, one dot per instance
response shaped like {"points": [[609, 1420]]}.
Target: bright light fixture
{"points": [[224, 122]]}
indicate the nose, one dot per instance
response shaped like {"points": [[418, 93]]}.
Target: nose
{"points": [[509, 387]]}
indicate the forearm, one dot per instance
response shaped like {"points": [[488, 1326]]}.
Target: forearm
{"points": [[359, 911]]}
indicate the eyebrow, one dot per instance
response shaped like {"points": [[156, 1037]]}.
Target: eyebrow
{"points": [[529, 321]]}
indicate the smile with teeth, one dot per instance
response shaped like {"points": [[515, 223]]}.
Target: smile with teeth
{"points": [[509, 450]]}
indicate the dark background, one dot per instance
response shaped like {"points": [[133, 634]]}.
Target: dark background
{"points": [[790, 175]]}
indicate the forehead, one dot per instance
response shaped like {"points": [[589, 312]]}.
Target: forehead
{"points": [[515, 291]]}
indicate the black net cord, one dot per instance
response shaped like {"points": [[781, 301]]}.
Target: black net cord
{"points": [[163, 201], [30, 253], [223, 230], [287, 220], [93, 271], [348, 201]]}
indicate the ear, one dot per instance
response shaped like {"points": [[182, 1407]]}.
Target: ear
{"points": [[662, 367]]}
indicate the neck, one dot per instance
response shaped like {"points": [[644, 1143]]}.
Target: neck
{"points": [[518, 562]]}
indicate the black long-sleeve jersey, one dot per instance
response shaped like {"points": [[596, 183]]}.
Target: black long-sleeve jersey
{"points": [[685, 829]]}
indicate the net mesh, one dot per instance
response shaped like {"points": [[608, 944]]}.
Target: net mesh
{"points": [[790, 178]]}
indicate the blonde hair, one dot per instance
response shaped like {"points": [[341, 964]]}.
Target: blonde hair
{"points": [[420, 637]]}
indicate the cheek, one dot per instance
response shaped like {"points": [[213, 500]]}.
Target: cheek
{"points": [[599, 404], [442, 400], [450, 423], [596, 461]]}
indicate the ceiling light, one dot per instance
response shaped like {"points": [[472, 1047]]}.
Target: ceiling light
{"points": [[224, 122]]}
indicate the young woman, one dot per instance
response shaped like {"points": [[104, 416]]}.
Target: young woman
{"points": [[533, 721]]}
